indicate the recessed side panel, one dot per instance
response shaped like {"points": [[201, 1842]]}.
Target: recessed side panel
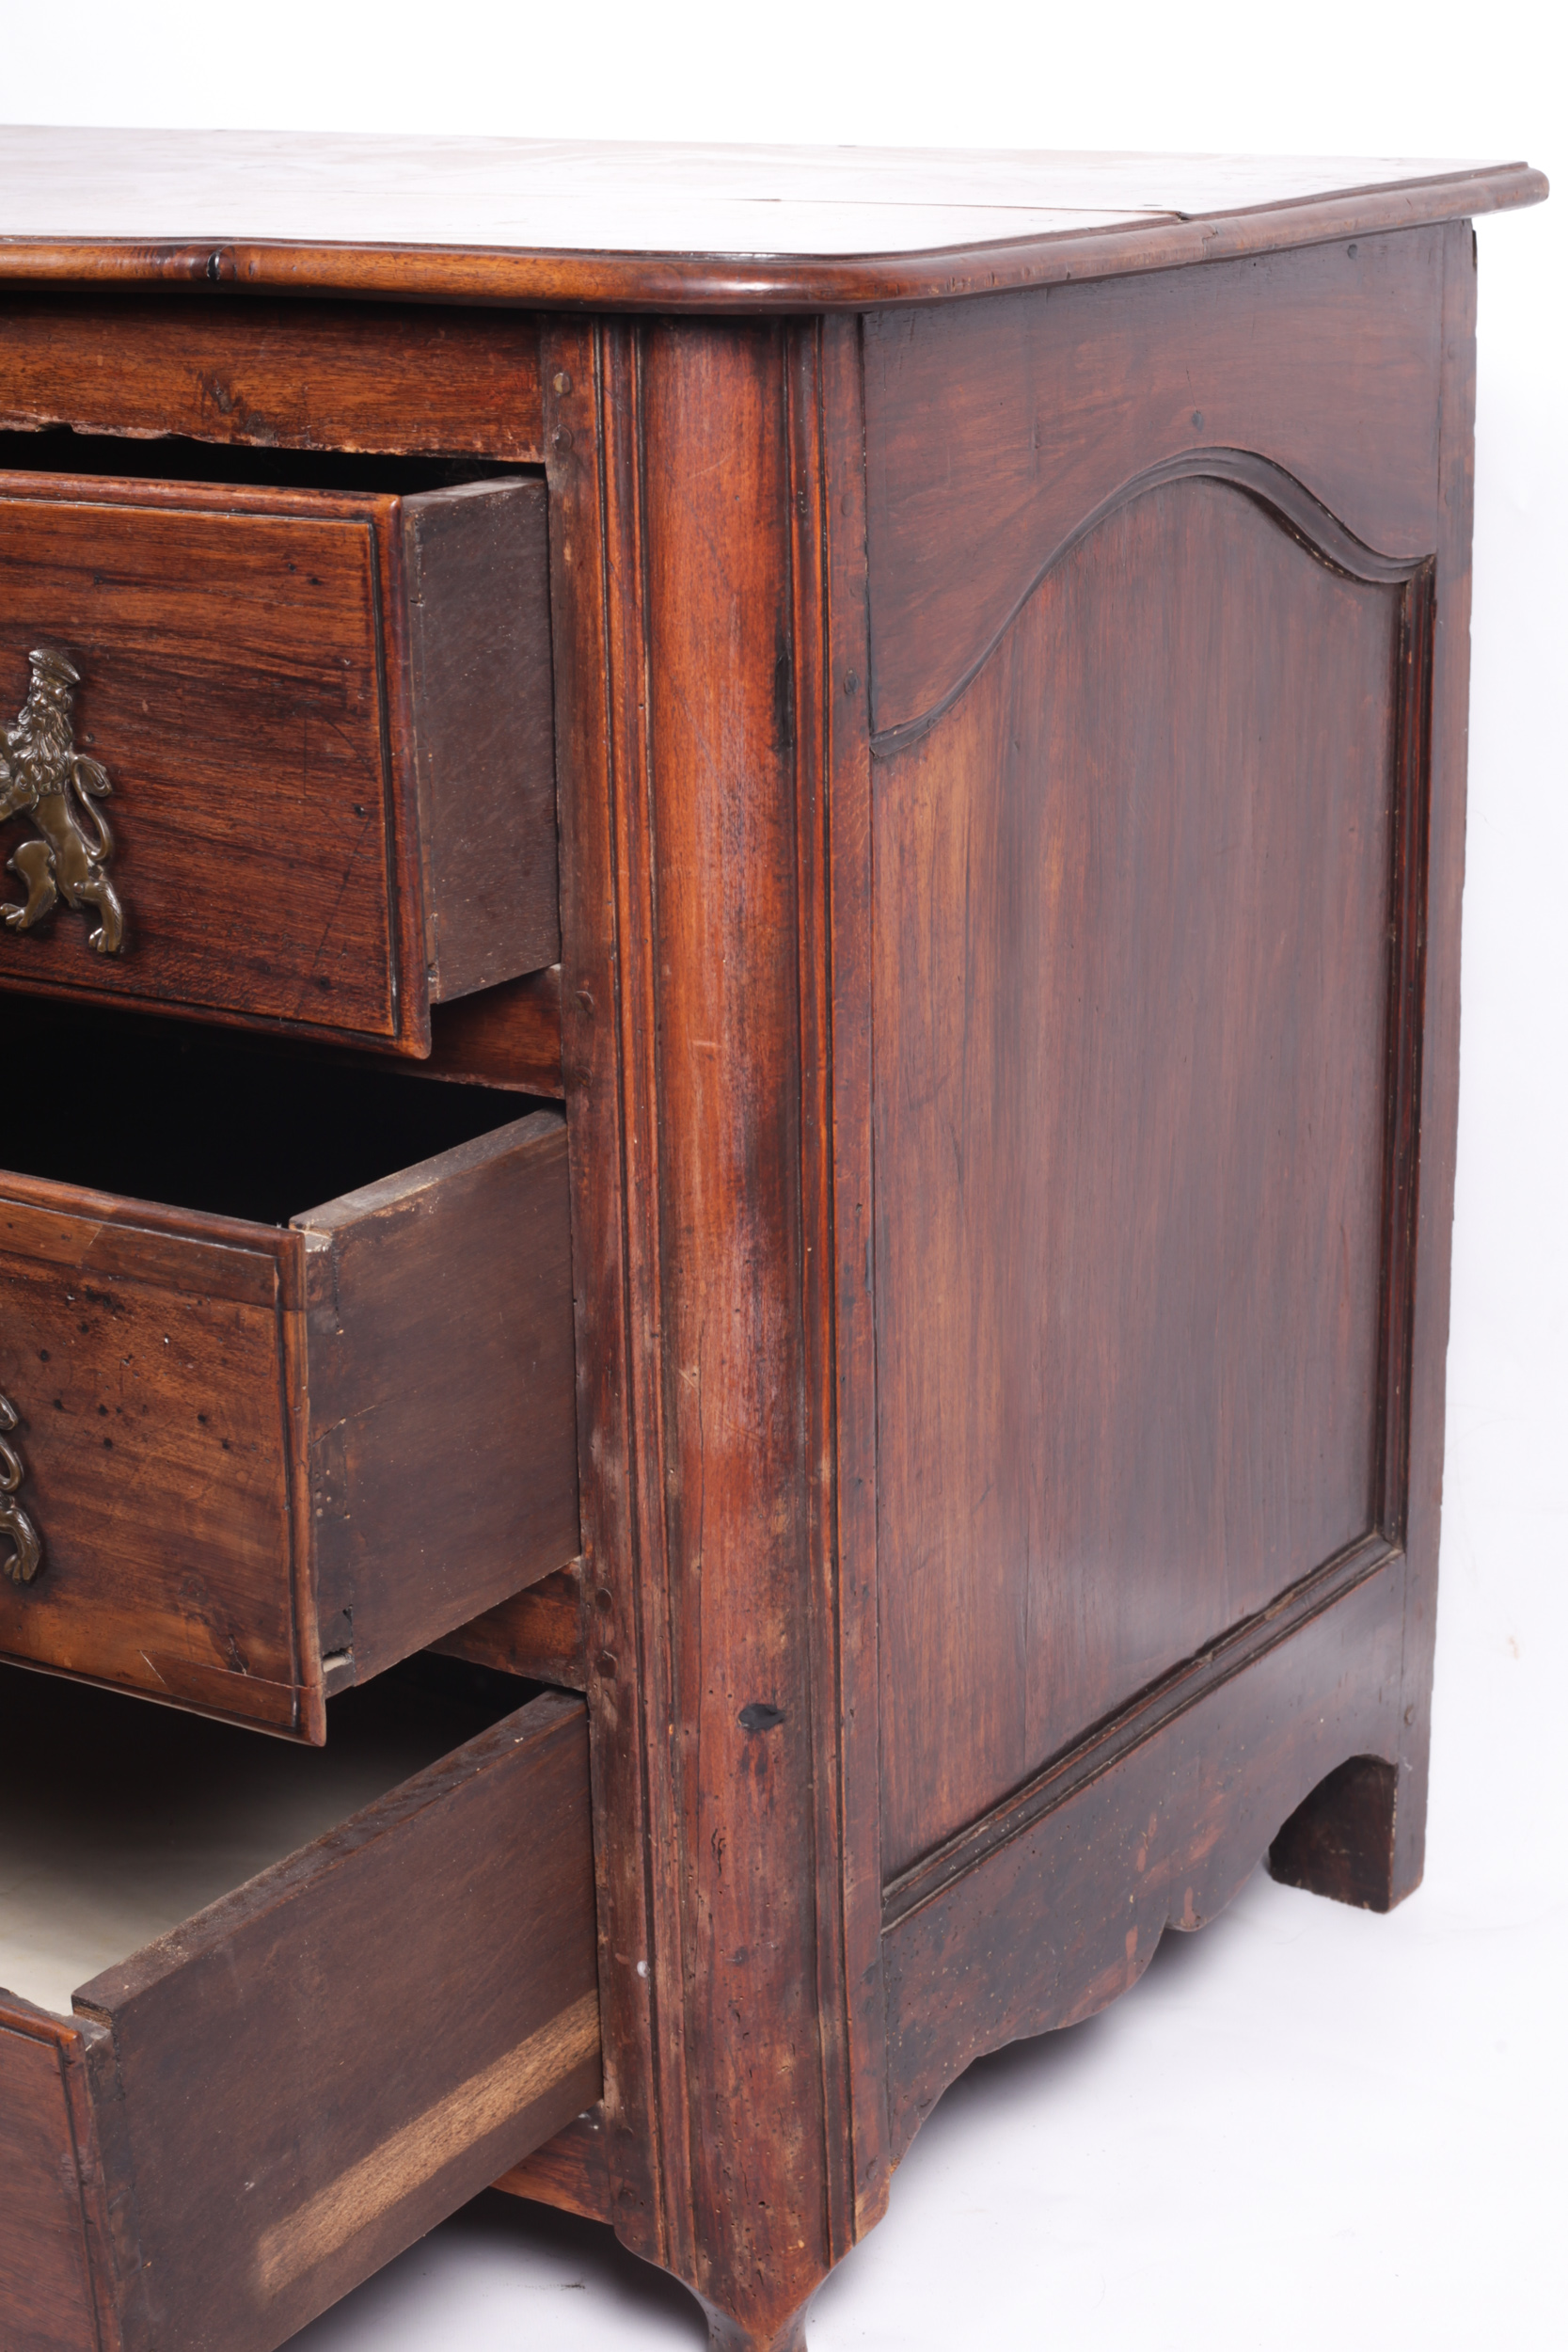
{"points": [[1132, 988], [995, 428]]}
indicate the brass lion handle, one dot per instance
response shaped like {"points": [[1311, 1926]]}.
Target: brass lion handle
{"points": [[26, 1546], [47, 781]]}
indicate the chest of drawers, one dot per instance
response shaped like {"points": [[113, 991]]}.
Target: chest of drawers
{"points": [[821, 799]]}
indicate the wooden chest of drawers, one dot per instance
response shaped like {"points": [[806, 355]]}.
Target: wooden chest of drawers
{"points": [[841, 864]]}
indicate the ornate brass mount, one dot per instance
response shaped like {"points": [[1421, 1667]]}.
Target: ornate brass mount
{"points": [[44, 775], [26, 1547]]}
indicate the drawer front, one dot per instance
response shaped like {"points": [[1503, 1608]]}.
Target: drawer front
{"points": [[155, 1379], [259, 2110], [286, 758], [56, 2271], [255, 1464]]}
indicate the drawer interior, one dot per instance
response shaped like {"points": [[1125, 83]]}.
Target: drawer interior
{"points": [[138, 1817], [228, 1125], [171, 457], [288, 1339]]}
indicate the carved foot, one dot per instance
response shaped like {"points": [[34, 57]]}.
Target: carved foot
{"points": [[1339, 1841], [757, 2332]]}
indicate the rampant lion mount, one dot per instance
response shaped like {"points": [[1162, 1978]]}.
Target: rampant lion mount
{"points": [[44, 775]]}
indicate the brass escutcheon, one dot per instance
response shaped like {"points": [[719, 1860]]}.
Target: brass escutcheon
{"points": [[26, 1546], [43, 776]]}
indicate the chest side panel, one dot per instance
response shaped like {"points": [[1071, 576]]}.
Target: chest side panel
{"points": [[995, 429], [1133, 978]]}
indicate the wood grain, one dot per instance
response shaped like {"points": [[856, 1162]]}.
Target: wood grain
{"points": [[1339, 1841], [229, 646], [569, 2172], [48, 2185], [847, 1041], [1437, 892], [276, 375], [506, 1036], [1059, 1920], [557, 225], [279, 2158], [995, 431], [588, 378], [696, 928], [542, 1634], [175, 1372], [160, 1432], [440, 1376], [1132, 1010], [1010, 1154], [477, 577], [269, 677]]}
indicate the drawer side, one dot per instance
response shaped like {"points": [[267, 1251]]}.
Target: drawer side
{"points": [[443, 1446], [476, 579], [322, 2066]]}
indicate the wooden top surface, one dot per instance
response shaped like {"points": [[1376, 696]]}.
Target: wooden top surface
{"points": [[654, 226]]}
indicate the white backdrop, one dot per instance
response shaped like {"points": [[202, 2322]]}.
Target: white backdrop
{"points": [[1306, 2124]]}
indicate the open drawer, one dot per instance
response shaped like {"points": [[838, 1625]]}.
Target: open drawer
{"points": [[283, 755], [274, 2096], [259, 1450]]}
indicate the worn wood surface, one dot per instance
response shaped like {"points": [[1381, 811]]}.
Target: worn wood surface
{"points": [[438, 1345], [694, 1012], [1052, 1923], [1432, 1077], [173, 1383], [278, 374], [1325, 361], [1340, 1840], [845, 1040], [543, 1632], [279, 2157], [229, 647], [53, 2206], [569, 2172], [506, 1036], [270, 732], [1099, 1035], [152, 1359], [476, 581], [557, 224], [1133, 1007]]}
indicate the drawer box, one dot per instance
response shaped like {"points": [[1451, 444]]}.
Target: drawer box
{"points": [[325, 722], [265, 2102], [264, 1460]]}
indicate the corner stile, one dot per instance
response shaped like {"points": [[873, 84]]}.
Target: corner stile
{"points": [[704, 613]]}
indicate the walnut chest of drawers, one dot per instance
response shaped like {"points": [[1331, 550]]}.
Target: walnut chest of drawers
{"points": [[731, 1023]]}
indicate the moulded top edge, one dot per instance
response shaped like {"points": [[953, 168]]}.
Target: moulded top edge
{"points": [[656, 226]]}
